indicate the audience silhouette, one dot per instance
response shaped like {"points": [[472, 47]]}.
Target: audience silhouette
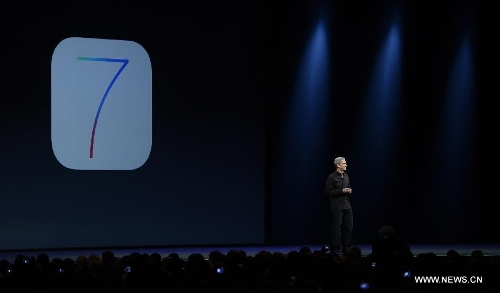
{"points": [[389, 267]]}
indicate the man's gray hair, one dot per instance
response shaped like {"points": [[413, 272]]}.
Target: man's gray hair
{"points": [[338, 160]]}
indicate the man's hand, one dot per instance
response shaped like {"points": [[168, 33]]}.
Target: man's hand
{"points": [[347, 190]]}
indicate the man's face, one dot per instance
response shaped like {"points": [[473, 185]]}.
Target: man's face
{"points": [[342, 165]]}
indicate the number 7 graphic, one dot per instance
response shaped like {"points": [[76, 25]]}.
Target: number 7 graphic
{"points": [[83, 81], [125, 62]]}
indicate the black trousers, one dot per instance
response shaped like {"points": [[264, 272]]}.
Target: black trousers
{"points": [[341, 227]]}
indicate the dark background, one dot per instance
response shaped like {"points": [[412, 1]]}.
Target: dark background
{"points": [[219, 171], [414, 203]]}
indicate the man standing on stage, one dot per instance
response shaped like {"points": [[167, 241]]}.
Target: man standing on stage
{"points": [[338, 188]]}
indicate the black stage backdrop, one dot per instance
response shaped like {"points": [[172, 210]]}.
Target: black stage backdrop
{"points": [[411, 198]]}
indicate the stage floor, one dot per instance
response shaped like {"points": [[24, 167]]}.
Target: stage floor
{"points": [[185, 251]]}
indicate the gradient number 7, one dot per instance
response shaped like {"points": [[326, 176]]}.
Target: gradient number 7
{"points": [[125, 62]]}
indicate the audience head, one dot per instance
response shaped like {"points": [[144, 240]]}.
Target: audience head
{"points": [[108, 257], [386, 231], [81, 261]]}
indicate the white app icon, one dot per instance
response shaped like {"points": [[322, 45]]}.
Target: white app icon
{"points": [[101, 104]]}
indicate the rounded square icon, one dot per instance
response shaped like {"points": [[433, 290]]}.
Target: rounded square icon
{"points": [[101, 104]]}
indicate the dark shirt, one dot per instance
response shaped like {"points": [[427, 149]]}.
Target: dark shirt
{"points": [[334, 185]]}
